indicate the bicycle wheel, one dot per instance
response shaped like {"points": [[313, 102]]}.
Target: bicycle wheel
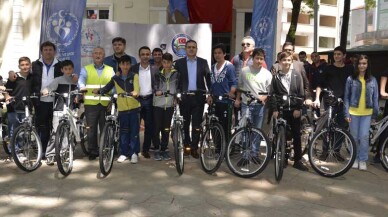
{"points": [[280, 152], [212, 148], [248, 152], [64, 152], [26, 148], [178, 148], [83, 133], [107, 148], [384, 154], [4, 130], [332, 152], [307, 135]]}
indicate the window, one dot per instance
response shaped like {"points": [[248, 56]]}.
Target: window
{"points": [[327, 21], [326, 42], [329, 2], [301, 40], [98, 11], [302, 19]]}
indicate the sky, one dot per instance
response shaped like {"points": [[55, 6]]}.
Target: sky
{"points": [[356, 3]]}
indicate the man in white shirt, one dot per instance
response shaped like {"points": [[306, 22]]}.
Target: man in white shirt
{"points": [[146, 81]]}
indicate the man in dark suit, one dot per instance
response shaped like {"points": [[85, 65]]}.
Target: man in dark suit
{"points": [[194, 77], [146, 81]]}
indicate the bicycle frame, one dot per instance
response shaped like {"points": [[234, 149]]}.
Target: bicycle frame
{"points": [[379, 127]]}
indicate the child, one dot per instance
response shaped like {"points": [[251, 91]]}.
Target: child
{"points": [[361, 105], [128, 107], [22, 86], [63, 84], [165, 80], [289, 82]]}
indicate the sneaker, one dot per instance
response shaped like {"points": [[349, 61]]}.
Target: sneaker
{"points": [[50, 161], [376, 159], [157, 156], [355, 164], [323, 156], [300, 166], [22, 158], [362, 165], [134, 159], [165, 155], [339, 157], [122, 158]]}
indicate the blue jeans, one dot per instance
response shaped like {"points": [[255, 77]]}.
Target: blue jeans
{"points": [[359, 128], [14, 120], [257, 114], [129, 132]]}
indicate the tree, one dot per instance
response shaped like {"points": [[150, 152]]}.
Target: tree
{"points": [[345, 19], [296, 8]]}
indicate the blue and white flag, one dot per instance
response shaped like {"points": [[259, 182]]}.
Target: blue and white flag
{"points": [[263, 27], [61, 24], [178, 5]]}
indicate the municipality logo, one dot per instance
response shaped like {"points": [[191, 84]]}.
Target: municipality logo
{"points": [[62, 28], [263, 28], [178, 44]]}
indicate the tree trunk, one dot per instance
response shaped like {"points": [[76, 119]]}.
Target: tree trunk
{"points": [[345, 24], [296, 4]]}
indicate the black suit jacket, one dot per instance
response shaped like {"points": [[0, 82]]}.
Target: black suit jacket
{"points": [[153, 70], [203, 74]]}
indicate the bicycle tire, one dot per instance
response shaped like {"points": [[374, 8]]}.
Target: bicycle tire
{"points": [[280, 153], [384, 154], [64, 152], [178, 149], [83, 134], [4, 130], [326, 162], [234, 149], [212, 141], [29, 147], [107, 148]]}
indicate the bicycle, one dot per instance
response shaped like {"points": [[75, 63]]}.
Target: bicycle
{"points": [[377, 128], [70, 131], [212, 142], [110, 136], [248, 151], [4, 140], [280, 145], [332, 151], [26, 147]]}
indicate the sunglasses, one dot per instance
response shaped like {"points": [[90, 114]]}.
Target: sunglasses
{"points": [[247, 44]]}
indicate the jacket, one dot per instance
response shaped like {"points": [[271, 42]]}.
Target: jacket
{"points": [[37, 69], [203, 74], [278, 89], [165, 83], [353, 93], [112, 62]]}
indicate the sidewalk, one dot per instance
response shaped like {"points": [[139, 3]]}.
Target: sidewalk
{"points": [[152, 188]]}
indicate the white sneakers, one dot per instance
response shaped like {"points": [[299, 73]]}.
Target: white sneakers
{"points": [[122, 158], [355, 164], [362, 165], [134, 159]]}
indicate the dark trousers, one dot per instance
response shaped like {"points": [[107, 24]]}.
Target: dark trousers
{"points": [[192, 110], [129, 132], [95, 117], [43, 122], [224, 113], [295, 125], [162, 122], [146, 115]]}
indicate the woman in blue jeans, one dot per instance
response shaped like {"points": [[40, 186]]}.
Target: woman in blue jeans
{"points": [[361, 106]]}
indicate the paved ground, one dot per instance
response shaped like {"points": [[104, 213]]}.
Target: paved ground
{"points": [[153, 188]]}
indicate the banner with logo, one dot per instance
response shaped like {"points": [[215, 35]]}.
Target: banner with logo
{"points": [[61, 24], [170, 38], [264, 25]]}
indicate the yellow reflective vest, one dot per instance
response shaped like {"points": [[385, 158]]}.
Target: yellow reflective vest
{"points": [[93, 81]]}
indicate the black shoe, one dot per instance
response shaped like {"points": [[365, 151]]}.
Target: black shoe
{"points": [[146, 154], [300, 166], [376, 159], [256, 160], [323, 156], [242, 162], [92, 157], [339, 157], [194, 153]]}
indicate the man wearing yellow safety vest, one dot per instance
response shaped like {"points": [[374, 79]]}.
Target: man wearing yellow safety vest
{"points": [[95, 76]]}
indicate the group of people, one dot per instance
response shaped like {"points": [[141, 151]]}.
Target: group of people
{"points": [[147, 82]]}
